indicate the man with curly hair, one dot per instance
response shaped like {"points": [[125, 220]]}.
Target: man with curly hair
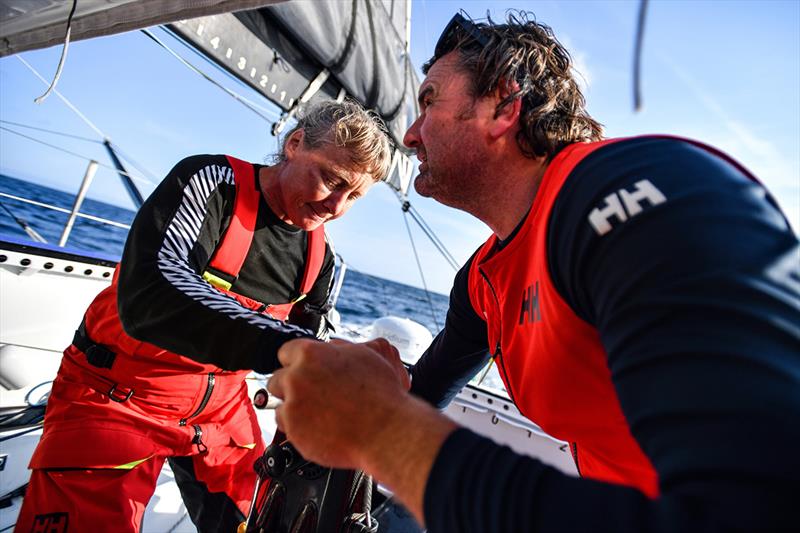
{"points": [[640, 297]]}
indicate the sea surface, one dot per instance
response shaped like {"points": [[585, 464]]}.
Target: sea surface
{"points": [[363, 298]]}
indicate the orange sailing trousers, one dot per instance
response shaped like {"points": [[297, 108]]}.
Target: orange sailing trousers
{"points": [[99, 459]]}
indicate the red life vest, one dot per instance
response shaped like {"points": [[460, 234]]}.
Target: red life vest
{"points": [[551, 361], [136, 360], [133, 400], [229, 256]]}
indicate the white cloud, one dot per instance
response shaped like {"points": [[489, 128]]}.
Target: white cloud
{"points": [[780, 175]]}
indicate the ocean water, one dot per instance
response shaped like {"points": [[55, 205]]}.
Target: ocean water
{"points": [[363, 298]]}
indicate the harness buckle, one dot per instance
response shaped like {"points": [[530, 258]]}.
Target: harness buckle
{"points": [[119, 399], [99, 356]]}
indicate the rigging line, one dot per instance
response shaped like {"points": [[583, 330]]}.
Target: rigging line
{"points": [[432, 236], [421, 273], [87, 139], [132, 176], [228, 74], [63, 99], [241, 99], [417, 214], [637, 57], [133, 163], [442, 251], [406, 207], [63, 58]]}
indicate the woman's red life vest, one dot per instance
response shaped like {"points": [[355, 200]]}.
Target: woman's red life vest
{"points": [[137, 360], [135, 400], [551, 361], [229, 256]]}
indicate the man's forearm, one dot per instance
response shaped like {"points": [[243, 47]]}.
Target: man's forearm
{"points": [[403, 451]]}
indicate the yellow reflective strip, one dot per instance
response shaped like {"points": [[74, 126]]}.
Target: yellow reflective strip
{"points": [[216, 281], [248, 446], [298, 298], [132, 464]]}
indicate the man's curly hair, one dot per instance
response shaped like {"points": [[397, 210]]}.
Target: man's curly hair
{"points": [[525, 58]]}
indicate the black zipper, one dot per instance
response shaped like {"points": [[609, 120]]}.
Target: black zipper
{"points": [[206, 397], [575, 457], [498, 353]]}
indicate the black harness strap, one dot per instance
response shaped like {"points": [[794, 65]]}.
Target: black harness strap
{"points": [[97, 354]]}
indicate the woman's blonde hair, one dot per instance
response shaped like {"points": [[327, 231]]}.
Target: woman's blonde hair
{"points": [[348, 125]]}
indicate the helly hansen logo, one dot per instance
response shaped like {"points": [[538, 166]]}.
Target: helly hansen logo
{"points": [[50, 523], [530, 305], [624, 204]]}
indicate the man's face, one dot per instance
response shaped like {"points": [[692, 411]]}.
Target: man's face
{"points": [[314, 186], [446, 135]]}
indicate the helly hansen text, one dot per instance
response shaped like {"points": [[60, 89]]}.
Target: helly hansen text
{"points": [[530, 305], [624, 204]]}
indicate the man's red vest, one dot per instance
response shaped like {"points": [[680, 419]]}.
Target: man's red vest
{"points": [[552, 362]]}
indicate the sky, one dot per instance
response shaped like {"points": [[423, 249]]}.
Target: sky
{"points": [[726, 72]]}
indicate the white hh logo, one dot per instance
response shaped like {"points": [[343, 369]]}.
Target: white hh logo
{"points": [[631, 200]]}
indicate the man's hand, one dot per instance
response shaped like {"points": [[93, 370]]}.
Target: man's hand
{"points": [[335, 395], [347, 406], [391, 355]]}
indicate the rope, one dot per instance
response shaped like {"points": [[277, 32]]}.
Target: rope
{"points": [[368, 499], [421, 272], [486, 371], [63, 59]]}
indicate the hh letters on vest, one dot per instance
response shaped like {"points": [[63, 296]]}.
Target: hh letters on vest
{"points": [[551, 361]]}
